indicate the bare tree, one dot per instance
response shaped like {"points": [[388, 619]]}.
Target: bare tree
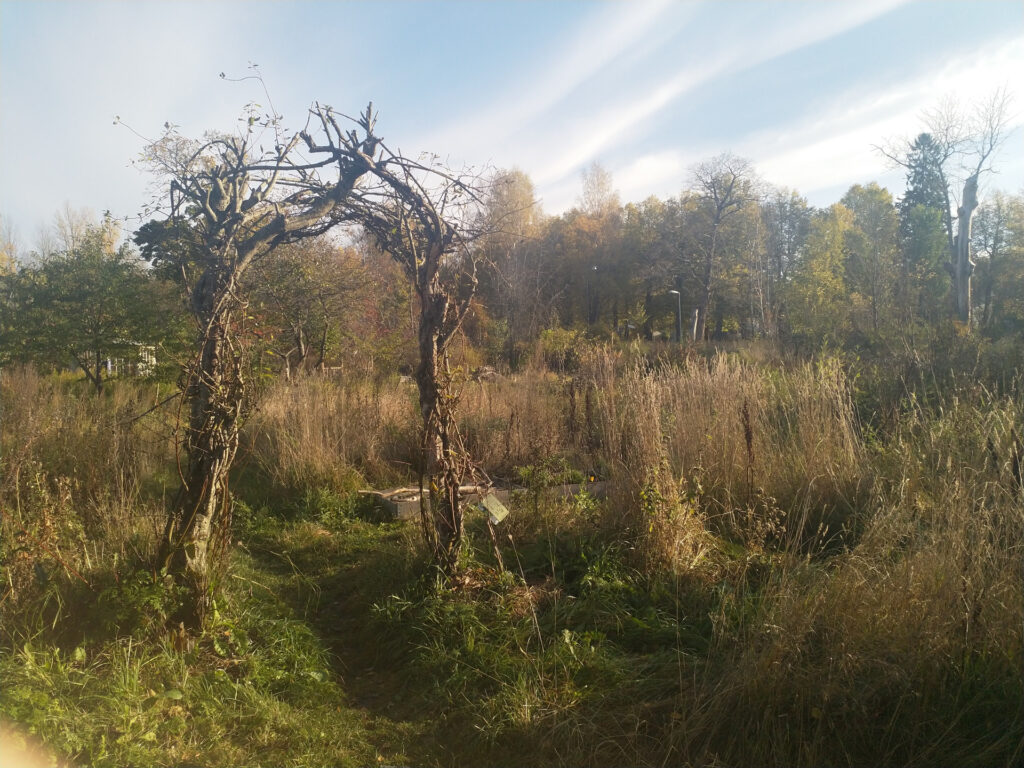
{"points": [[725, 185], [963, 149], [9, 248], [71, 226], [231, 203], [424, 217], [598, 198]]}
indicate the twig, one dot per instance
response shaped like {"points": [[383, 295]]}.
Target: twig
{"points": [[133, 419]]}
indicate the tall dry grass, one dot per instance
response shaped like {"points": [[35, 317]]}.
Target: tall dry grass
{"points": [[760, 453], [516, 422], [770, 457], [319, 431], [901, 646], [906, 649], [80, 480]]}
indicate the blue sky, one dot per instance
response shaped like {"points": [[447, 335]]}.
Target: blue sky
{"points": [[803, 89]]}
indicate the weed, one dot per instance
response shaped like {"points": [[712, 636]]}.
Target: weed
{"points": [[768, 581]]}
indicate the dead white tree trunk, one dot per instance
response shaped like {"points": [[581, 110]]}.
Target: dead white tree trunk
{"points": [[963, 145], [962, 265]]}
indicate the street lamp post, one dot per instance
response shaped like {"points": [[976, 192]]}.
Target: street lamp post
{"points": [[679, 316]]}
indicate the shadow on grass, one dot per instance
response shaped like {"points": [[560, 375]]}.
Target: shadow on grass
{"points": [[332, 580], [450, 678]]}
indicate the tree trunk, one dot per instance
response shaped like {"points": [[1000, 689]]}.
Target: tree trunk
{"points": [[705, 303], [876, 290], [441, 453], [988, 312], [201, 510], [303, 350], [321, 362], [84, 364], [961, 265], [648, 329]]}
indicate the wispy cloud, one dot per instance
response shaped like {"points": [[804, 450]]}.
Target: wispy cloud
{"points": [[597, 44], [654, 171], [597, 132], [837, 147], [630, 84], [834, 145]]}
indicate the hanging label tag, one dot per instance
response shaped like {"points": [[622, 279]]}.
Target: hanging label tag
{"points": [[492, 505]]}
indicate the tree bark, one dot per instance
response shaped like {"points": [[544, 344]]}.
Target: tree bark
{"points": [[227, 216], [441, 455], [709, 266], [201, 509], [962, 265], [95, 379]]}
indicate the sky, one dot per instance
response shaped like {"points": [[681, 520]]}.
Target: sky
{"points": [[805, 90]]}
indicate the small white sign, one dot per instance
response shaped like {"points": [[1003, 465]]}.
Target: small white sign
{"points": [[492, 505]]}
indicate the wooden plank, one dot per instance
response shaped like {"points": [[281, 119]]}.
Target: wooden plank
{"points": [[404, 503]]}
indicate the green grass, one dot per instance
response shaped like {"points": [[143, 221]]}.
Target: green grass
{"points": [[336, 645], [651, 634], [260, 688]]}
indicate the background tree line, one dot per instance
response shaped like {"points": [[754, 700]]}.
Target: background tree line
{"points": [[867, 274], [729, 257]]}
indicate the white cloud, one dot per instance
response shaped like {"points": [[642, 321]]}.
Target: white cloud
{"points": [[554, 159], [837, 147], [92, 65], [598, 43], [596, 95], [654, 171], [595, 133]]}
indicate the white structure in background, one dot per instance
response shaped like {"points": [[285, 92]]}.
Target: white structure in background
{"points": [[143, 364]]}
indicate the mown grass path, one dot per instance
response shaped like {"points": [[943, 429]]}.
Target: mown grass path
{"points": [[331, 581]]}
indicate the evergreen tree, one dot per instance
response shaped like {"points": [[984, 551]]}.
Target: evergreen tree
{"points": [[925, 231]]}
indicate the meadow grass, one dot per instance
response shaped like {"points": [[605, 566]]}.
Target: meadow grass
{"points": [[770, 581]]}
